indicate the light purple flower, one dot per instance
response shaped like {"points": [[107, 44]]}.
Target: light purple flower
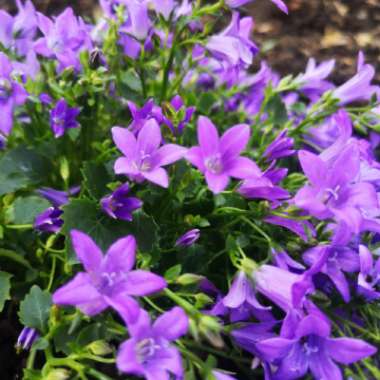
{"points": [[62, 118], [188, 239], [143, 156], [149, 352], [12, 94], [219, 158], [369, 276], [234, 44], [359, 87], [307, 346], [222, 375], [332, 192], [282, 146], [119, 205], [107, 280], [164, 7], [138, 22]]}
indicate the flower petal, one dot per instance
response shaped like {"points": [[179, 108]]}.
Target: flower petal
{"points": [[217, 182], [172, 325], [242, 168], [195, 157], [159, 176], [314, 168], [274, 348], [170, 153], [149, 138], [142, 283], [208, 137], [86, 250], [234, 140], [121, 256], [125, 141]]}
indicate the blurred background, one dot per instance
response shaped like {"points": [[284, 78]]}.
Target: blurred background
{"points": [[322, 29]]}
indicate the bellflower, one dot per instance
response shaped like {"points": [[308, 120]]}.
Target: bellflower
{"points": [[164, 7], [188, 239], [107, 279], [338, 261], [138, 22], [26, 339], [63, 39], [219, 158], [149, 352], [307, 346], [332, 191], [17, 32], [12, 94], [62, 118], [369, 276], [119, 205], [141, 115], [359, 87], [282, 146], [49, 220], [234, 44], [178, 115], [143, 157]]}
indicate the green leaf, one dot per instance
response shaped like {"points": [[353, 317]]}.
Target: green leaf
{"points": [[5, 287], [276, 109], [206, 101], [96, 179], [24, 210], [85, 215], [35, 308], [172, 273], [20, 168]]}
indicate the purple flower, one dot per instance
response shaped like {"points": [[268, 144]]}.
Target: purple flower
{"points": [[17, 33], [143, 157], [107, 279], [63, 39], [369, 276], [49, 220], [282, 146], [359, 87], [3, 142], [56, 197], [138, 22], [332, 191], [308, 346], [219, 158], [63, 117], [26, 339], [189, 238], [234, 44], [238, 3], [12, 94], [338, 260], [149, 352], [118, 205], [178, 115], [140, 116], [164, 7]]}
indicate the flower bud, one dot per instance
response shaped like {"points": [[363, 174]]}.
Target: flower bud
{"points": [[100, 348]]}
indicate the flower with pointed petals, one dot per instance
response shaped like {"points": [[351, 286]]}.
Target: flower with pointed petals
{"points": [[149, 352], [339, 260], [119, 205], [189, 238], [143, 157], [63, 117], [233, 44], [107, 279], [49, 220], [12, 94], [282, 146], [141, 115], [359, 87], [332, 191], [307, 346], [219, 158]]}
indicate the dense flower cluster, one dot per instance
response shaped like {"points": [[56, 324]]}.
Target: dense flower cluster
{"points": [[239, 211]]}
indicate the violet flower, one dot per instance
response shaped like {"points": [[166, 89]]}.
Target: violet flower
{"points": [[369, 276], [26, 338], [233, 44], [119, 205], [62, 118], [49, 220], [143, 157], [307, 346], [164, 7], [140, 116], [282, 146], [332, 191], [106, 279], [12, 94], [359, 87], [178, 115], [338, 261], [138, 22], [188, 239], [149, 352], [63, 39], [219, 158]]}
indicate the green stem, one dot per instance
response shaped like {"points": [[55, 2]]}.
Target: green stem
{"points": [[258, 229], [52, 273], [19, 226]]}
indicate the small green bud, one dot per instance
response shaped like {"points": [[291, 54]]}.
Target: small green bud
{"points": [[100, 348], [58, 374]]}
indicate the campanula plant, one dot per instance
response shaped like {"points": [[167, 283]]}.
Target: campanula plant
{"points": [[168, 212]]}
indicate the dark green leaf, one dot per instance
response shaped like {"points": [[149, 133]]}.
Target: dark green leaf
{"points": [[96, 179], [24, 210], [5, 287], [35, 308]]}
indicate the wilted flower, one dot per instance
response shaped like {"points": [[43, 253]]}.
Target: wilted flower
{"points": [[63, 117], [107, 279], [219, 158], [119, 205], [149, 352], [144, 157], [189, 238]]}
